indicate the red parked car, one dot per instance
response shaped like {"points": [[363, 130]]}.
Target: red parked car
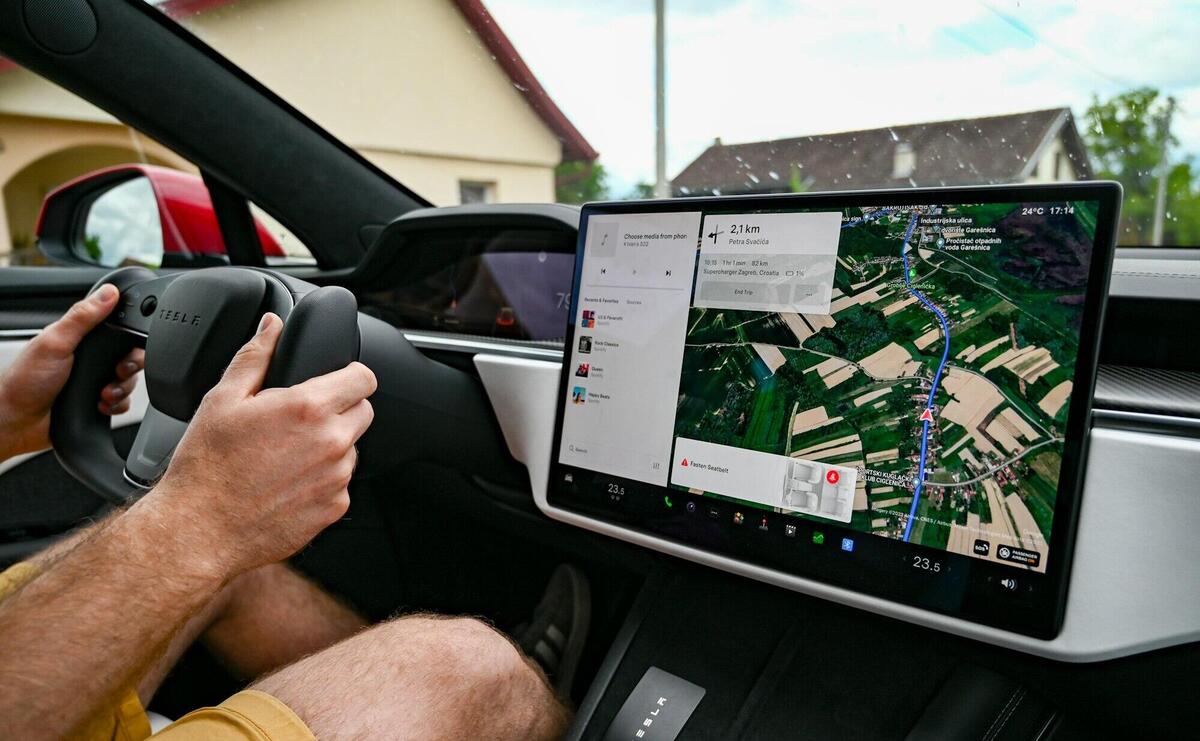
{"points": [[141, 215]]}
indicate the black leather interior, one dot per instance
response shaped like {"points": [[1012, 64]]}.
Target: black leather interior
{"points": [[776, 665], [977, 703]]}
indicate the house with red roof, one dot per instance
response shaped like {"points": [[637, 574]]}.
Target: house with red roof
{"points": [[431, 91]]}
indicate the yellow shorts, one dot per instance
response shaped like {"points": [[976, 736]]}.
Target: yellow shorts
{"points": [[249, 715]]}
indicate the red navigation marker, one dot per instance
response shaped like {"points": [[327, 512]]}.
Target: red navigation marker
{"points": [[926, 416], [832, 477], [684, 463]]}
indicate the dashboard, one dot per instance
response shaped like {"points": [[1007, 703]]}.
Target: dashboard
{"points": [[886, 391], [497, 272], [1130, 588]]}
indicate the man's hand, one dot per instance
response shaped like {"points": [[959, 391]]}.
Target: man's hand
{"points": [[29, 386], [260, 472], [257, 475]]}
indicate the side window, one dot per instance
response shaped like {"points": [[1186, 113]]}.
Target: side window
{"points": [[280, 246], [79, 187]]}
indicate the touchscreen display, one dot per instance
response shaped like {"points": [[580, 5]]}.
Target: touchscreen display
{"points": [[838, 374]]}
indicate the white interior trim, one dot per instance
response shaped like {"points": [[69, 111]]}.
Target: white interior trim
{"points": [[1133, 584]]}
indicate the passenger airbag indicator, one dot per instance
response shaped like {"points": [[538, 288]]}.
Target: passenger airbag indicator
{"points": [[1019, 555]]}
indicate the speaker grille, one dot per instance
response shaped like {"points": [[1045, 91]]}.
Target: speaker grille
{"points": [[61, 26]]}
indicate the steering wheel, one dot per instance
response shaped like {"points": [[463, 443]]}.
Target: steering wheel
{"points": [[192, 323]]}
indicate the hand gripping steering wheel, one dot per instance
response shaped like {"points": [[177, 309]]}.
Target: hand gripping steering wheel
{"points": [[191, 325]]}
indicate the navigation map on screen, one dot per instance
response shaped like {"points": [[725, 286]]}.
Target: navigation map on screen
{"points": [[902, 371]]}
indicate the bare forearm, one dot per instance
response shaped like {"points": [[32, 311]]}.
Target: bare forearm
{"points": [[84, 631], [69, 542]]}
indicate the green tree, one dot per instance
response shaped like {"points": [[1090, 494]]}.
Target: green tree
{"points": [[580, 182], [797, 184], [641, 191], [91, 243], [1124, 135]]}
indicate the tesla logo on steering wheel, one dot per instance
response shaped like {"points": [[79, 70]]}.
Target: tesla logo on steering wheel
{"points": [[181, 317]]}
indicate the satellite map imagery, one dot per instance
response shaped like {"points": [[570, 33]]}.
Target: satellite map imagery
{"points": [[941, 375]]}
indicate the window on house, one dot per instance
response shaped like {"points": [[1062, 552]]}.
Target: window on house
{"points": [[475, 192]]}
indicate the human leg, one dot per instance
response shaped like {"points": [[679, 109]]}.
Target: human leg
{"points": [[262, 620], [421, 676]]}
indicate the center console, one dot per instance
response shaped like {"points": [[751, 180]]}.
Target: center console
{"points": [[769, 664], [849, 647]]}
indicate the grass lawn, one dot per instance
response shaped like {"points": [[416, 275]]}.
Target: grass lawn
{"points": [[768, 418]]}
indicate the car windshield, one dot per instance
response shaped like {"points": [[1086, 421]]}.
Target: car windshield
{"points": [[541, 100]]}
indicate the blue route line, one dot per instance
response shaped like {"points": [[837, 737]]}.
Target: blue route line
{"points": [[937, 377]]}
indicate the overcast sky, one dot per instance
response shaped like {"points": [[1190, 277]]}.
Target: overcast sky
{"points": [[746, 70]]}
